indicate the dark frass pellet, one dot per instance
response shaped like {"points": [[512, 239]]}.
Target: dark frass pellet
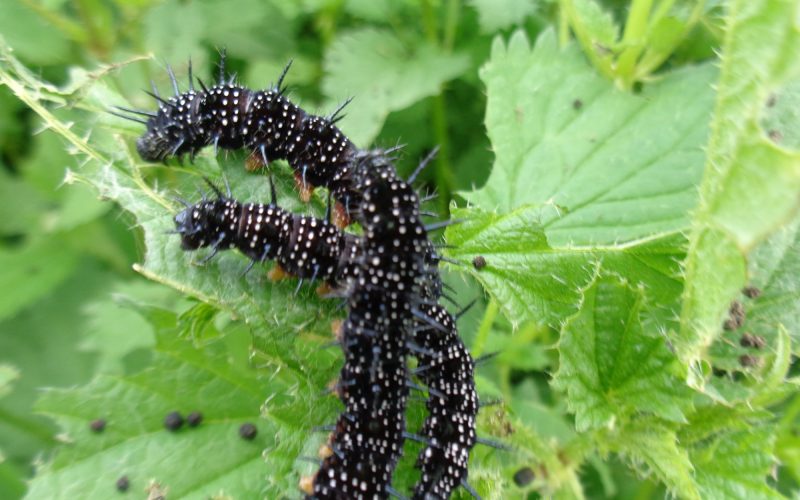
{"points": [[123, 483], [98, 425], [749, 361], [577, 104], [173, 421], [524, 477], [479, 262], [736, 316], [194, 418], [750, 340], [751, 292], [248, 431]]}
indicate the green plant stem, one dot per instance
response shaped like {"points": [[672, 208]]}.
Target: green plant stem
{"points": [[443, 168], [485, 327], [633, 40], [653, 59], [602, 63], [451, 17]]}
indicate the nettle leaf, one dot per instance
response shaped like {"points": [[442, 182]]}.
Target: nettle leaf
{"points": [[735, 465], [535, 280], [583, 173], [751, 184], [610, 366], [114, 330], [567, 139], [135, 443], [495, 15], [650, 443], [774, 268], [7, 375], [596, 30], [384, 75], [25, 274], [770, 330], [556, 476]]}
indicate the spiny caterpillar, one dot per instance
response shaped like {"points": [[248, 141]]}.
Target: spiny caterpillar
{"points": [[230, 116], [389, 276], [310, 247]]}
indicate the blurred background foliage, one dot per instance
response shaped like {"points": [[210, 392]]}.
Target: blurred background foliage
{"points": [[67, 281]]}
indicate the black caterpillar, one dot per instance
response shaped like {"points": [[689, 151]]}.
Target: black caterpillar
{"points": [[314, 248], [230, 116], [389, 276]]}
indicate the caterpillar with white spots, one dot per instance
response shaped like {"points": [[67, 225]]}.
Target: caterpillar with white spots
{"points": [[389, 275], [314, 248]]}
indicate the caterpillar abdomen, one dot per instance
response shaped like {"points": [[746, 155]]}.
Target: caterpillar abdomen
{"points": [[304, 246], [449, 373]]}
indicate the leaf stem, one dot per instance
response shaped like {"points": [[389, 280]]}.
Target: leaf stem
{"points": [[633, 40], [443, 169], [485, 327]]}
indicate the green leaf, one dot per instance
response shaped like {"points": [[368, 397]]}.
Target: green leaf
{"points": [[603, 164], [384, 74], [35, 40], [7, 375], [41, 342], [115, 329], [136, 444], [535, 279], [735, 465], [22, 205], [610, 366], [651, 443], [556, 473], [781, 115], [774, 269], [177, 31], [28, 277], [496, 15], [596, 30], [225, 26], [750, 185], [583, 173]]}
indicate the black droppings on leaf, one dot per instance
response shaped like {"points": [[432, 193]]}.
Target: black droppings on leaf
{"points": [[736, 316], [194, 419], [173, 421], [750, 340], [248, 431], [123, 483], [719, 372], [524, 476], [749, 361], [98, 425], [751, 292], [479, 262]]}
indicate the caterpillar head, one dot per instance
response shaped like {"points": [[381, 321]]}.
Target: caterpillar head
{"points": [[170, 131], [211, 223]]}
